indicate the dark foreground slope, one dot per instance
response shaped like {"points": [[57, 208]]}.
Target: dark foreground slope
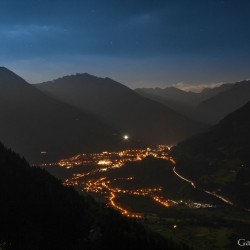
{"points": [[220, 159], [37, 212], [31, 123], [143, 119]]}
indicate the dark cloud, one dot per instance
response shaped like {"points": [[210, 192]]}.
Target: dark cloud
{"points": [[165, 34]]}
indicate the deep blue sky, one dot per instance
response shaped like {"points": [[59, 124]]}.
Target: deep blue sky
{"points": [[139, 42]]}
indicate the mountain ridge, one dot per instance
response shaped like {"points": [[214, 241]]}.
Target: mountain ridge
{"points": [[121, 107], [32, 122], [220, 105]]}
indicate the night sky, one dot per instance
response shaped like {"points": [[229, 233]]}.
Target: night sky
{"points": [[139, 42]]}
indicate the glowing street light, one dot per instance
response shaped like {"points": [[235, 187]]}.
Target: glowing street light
{"points": [[125, 137]]}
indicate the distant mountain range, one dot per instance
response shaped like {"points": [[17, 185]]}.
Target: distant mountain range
{"points": [[176, 95], [142, 119], [219, 160], [208, 106], [180, 100], [215, 108], [81, 113]]}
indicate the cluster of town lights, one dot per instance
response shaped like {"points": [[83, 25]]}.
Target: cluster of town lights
{"points": [[93, 181]]}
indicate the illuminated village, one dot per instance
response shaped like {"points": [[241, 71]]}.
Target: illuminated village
{"points": [[96, 182]]}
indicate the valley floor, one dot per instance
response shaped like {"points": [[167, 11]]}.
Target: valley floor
{"points": [[144, 184]]}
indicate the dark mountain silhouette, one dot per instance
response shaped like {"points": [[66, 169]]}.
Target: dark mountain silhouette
{"points": [[38, 213], [214, 109], [143, 119], [181, 101], [220, 159], [32, 122], [170, 94]]}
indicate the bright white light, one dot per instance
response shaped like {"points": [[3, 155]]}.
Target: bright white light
{"points": [[104, 162], [125, 137]]}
